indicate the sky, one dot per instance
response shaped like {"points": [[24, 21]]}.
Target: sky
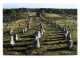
{"points": [[37, 5]]}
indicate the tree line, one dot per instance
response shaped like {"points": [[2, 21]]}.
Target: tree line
{"points": [[13, 12]]}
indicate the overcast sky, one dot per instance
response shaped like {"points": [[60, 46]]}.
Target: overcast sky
{"points": [[38, 5]]}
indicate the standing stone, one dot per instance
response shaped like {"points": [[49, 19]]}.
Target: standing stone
{"points": [[29, 22], [12, 42], [39, 35], [38, 39], [70, 44], [41, 28], [23, 30], [65, 32], [11, 32], [69, 40], [34, 43], [37, 42], [17, 37], [26, 29]]}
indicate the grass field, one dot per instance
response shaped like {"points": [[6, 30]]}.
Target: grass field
{"points": [[52, 43]]}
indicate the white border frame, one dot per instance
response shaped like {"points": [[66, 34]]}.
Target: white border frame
{"points": [[57, 2]]}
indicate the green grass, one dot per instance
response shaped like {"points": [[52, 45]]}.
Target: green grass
{"points": [[49, 30]]}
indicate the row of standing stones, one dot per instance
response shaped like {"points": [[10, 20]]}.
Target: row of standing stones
{"points": [[38, 35]]}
